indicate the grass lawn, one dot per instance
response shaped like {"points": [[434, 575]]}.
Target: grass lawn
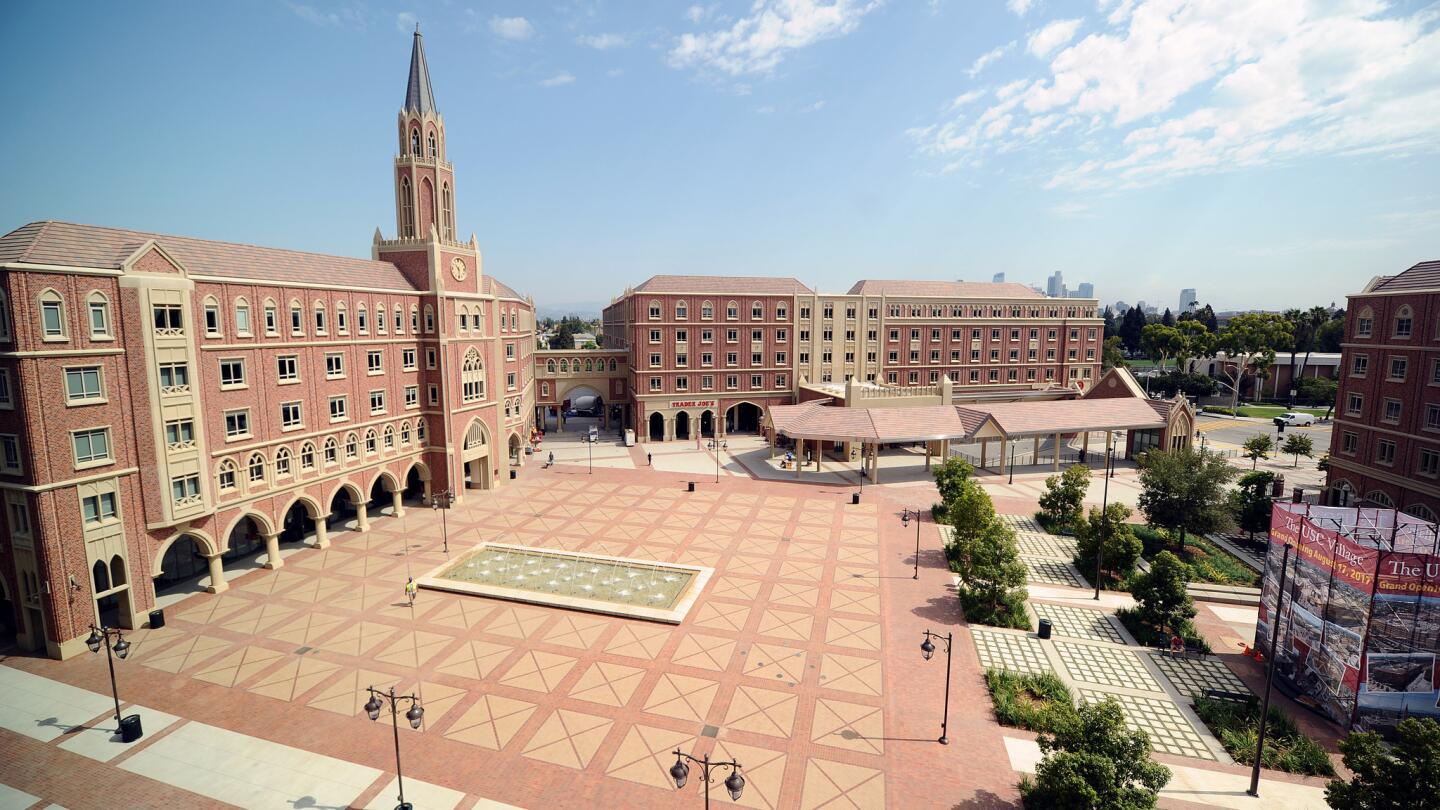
{"points": [[1286, 749], [1033, 702], [1208, 562], [1272, 411]]}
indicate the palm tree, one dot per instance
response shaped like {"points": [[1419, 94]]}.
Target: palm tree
{"points": [[1315, 317], [1297, 321]]}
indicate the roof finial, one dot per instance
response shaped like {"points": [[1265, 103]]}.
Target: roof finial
{"points": [[417, 28]]}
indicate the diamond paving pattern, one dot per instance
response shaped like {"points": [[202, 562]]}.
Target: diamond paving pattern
{"points": [[1079, 622], [1169, 731], [1012, 651], [1108, 666]]}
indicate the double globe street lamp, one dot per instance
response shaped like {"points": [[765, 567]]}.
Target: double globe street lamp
{"points": [[414, 714], [905, 518], [120, 647], [680, 772], [441, 502], [718, 446], [927, 649]]}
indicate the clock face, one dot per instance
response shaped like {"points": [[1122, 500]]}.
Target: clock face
{"points": [[457, 268]]}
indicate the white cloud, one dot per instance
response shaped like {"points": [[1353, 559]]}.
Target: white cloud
{"points": [[405, 21], [604, 42], [985, 59], [756, 43], [516, 29], [559, 79], [1019, 6], [966, 98], [615, 72], [347, 17], [699, 14], [1071, 210], [815, 107], [1168, 88], [1044, 41]]}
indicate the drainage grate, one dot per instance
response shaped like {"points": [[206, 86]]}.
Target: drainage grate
{"points": [[709, 731], [303, 650]]}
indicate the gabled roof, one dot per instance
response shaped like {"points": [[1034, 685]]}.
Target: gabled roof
{"points": [[723, 285], [67, 244], [943, 289], [1067, 415], [1422, 276], [418, 95], [499, 289]]}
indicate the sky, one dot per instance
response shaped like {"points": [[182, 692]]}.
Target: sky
{"points": [[1270, 154]]}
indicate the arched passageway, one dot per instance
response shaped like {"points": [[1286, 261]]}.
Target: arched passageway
{"points": [[657, 427], [414, 485], [707, 424], [380, 498], [183, 567], [246, 540], [682, 425], [514, 447], [476, 456], [297, 523], [342, 509], [743, 417]]}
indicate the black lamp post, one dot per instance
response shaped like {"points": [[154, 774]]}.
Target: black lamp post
{"points": [[1012, 462], [414, 714], [927, 649], [680, 772], [1104, 522], [1269, 675], [120, 647], [719, 446], [441, 502], [905, 520]]}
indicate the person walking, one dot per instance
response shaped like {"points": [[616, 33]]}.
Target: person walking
{"points": [[649, 460], [551, 462], [410, 589]]}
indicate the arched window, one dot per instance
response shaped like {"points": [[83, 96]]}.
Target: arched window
{"points": [[550, 365], [352, 447], [732, 310], [272, 317], [389, 437], [242, 316], [4, 316], [757, 311], [415, 143], [117, 571], [297, 318], [257, 469], [381, 318], [372, 442], [654, 310], [342, 323], [307, 456], [405, 433], [682, 310], [282, 462], [98, 312], [362, 319], [319, 317], [420, 430], [414, 318], [407, 209], [1380, 499], [472, 377], [332, 451], [225, 477], [430, 142], [612, 364], [589, 364], [1364, 323], [399, 319], [707, 311], [211, 309], [1404, 323], [102, 577], [565, 366], [447, 213]]}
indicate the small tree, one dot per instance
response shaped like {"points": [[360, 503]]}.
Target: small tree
{"points": [[1298, 445], [1250, 502], [1406, 777], [996, 574], [969, 514], [1062, 505], [1160, 593], [1122, 547], [1258, 447], [1094, 761], [951, 477], [1184, 490]]}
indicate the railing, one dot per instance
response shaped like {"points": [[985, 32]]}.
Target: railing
{"points": [[169, 331], [185, 445], [167, 390], [189, 500]]}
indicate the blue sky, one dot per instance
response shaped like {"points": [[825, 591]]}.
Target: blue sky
{"points": [[1270, 154]]}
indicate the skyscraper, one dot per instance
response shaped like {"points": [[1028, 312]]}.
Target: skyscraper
{"points": [[999, 278], [1187, 299], [1055, 285], [1087, 290]]}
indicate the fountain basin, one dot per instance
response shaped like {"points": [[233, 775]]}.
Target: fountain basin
{"points": [[574, 580]]}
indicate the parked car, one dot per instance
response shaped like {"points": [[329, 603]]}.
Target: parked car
{"points": [[1292, 419]]}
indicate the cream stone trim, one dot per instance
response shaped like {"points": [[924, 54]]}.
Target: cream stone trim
{"points": [[1399, 480], [69, 482], [60, 268], [303, 285], [61, 353]]}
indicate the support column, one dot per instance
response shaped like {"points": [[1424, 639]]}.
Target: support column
{"points": [[217, 574], [322, 534], [984, 451], [927, 455], [799, 457], [559, 418], [1085, 447], [875, 465], [362, 519], [396, 498], [1057, 453], [272, 552], [1035, 452], [1004, 442]]}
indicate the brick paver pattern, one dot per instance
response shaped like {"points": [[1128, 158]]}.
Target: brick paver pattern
{"points": [[1109, 666], [1079, 622], [1051, 572], [1049, 546], [1192, 676], [1017, 652], [1169, 731]]}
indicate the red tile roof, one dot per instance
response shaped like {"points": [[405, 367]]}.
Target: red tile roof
{"points": [[814, 420], [1068, 415], [723, 285], [943, 289], [1423, 276]]}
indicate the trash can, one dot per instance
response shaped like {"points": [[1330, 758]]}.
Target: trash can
{"points": [[1044, 628], [157, 618], [854, 497], [512, 475], [1277, 487], [130, 730], [692, 486], [1297, 495]]}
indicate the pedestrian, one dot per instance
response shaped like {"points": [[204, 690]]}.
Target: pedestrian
{"points": [[551, 461], [649, 460], [410, 589]]}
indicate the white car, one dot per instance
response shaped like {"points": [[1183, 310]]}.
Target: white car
{"points": [[1291, 419]]}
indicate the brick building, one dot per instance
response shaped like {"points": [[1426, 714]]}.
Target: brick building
{"points": [[708, 351], [169, 405], [1385, 448]]}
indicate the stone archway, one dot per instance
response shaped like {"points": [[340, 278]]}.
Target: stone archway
{"points": [[246, 538], [417, 483], [682, 425], [514, 448], [743, 417], [345, 504], [301, 519], [707, 424], [182, 564], [657, 427], [475, 456]]}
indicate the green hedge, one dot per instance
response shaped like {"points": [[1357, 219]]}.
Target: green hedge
{"points": [[1029, 701], [1234, 724], [1009, 613], [1151, 637], [1208, 562]]}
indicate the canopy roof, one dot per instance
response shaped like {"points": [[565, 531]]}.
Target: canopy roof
{"points": [[818, 420]]}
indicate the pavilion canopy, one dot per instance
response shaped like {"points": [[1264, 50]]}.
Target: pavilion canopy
{"points": [[816, 420]]}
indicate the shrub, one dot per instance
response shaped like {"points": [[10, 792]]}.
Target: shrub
{"points": [[1029, 701], [1219, 410], [1408, 776], [1286, 749], [1152, 637], [1122, 547], [1094, 761], [1062, 504], [1008, 611], [1163, 602], [1208, 562]]}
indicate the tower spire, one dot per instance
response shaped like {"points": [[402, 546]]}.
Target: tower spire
{"points": [[418, 95]]}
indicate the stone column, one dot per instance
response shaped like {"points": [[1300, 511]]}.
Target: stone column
{"points": [[1085, 446], [875, 465], [362, 519], [322, 534], [984, 451], [1035, 451], [799, 457], [217, 574], [1057, 453], [272, 551], [1004, 445], [396, 501]]}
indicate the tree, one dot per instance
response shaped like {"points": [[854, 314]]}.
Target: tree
{"points": [[1298, 445], [995, 574], [1249, 342], [1110, 325], [1130, 327], [1167, 319], [1250, 502], [1257, 447], [950, 478], [1122, 547], [1160, 595], [1184, 490], [1112, 356], [1315, 318], [1062, 505], [1405, 777], [1196, 342], [1160, 343], [1330, 335], [1318, 391], [1094, 761]]}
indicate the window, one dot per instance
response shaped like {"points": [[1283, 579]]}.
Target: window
{"points": [[179, 434], [1429, 463], [654, 383], [297, 319], [420, 431], [472, 377], [1359, 364], [377, 402], [732, 335], [1397, 369], [307, 456], [332, 451], [1354, 404], [83, 384], [338, 411], [287, 369], [242, 318], [290, 415], [52, 315], [98, 508], [99, 317], [225, 477], [272, 319], [682, 383], [91, 446], [282, 462], [237, 424], [1364, 324], [707, 311], [756, 381], [319, 317], [6, 399], [362, 319], [10, 454], [212, 318], [407, 359], [371, 443], [1432, 417], [732, 310], [334, 365], [682, 310], [174, 378], [1404, 324], [342, 323], [374, 363], [1349, 443], [1392, 410], [232, 373], [732, 381], [185, 489], [380, 319], [1385, 451], [412, 396], [510, 381], [257, 469], [510, 354], [399, 320], [352, 447], [654, 310], [169, 318]]}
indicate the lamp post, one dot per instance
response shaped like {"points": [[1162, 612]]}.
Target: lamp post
{"points": [[1104, 522], [680, 772], [927, 649], [441, 502], [1269, 675], [120, 647], [905, 520], [1012, 463], [413, 714], [718, 446]]}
